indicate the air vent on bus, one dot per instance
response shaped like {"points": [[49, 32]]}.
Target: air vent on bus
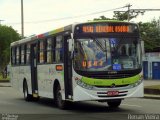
{"points": [[104, 94], [111, 86], [104, 76]]}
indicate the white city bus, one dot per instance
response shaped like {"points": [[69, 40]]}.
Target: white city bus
{"points": [[98, 60]]}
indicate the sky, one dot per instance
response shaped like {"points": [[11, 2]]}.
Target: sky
{"points": [[45, 15]]}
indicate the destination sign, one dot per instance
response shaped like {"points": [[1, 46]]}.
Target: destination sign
{"points": [[106, 28]]}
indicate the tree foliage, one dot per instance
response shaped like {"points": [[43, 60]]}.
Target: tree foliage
{"points": [[123, 16], [150, 34], [7, 35], [104, 18]]}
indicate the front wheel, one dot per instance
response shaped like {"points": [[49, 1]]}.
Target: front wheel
{"points": [[59, 102], [114, 103]]}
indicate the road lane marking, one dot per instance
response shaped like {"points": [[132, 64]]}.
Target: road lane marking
{"points": [[131, 105]]}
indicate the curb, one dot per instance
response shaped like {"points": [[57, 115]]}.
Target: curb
{"points": [[152, 91], [4, 81], [151, 96], [5, 85]]}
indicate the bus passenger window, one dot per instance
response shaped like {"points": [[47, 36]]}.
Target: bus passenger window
{"points": [[17, 56], [22, 54], [54, 49], [59, 50], [41, 56], [13, 53], [25, 50], [45, 51], [49, 50], [28, 54]]}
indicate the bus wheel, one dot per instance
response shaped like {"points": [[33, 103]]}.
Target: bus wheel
{"points": [[27, 96], [59, 102], [114, 103]]}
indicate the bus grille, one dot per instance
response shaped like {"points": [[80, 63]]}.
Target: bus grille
{"points": [[112, 96], [104, 94], [111, 86], [114, 76]]}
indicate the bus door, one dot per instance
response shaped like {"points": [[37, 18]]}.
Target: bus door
{"points": [[67, 69], [33, 64]]}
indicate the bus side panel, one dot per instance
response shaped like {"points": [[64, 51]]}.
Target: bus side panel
{"points": [[18, 75], [15, 77], [47, 75], [25, 74]]}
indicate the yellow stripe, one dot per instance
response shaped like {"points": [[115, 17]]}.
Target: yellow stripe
{"points": [[56, 31]]}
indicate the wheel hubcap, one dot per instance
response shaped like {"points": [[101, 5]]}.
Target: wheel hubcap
{"points": [[59, 98]]}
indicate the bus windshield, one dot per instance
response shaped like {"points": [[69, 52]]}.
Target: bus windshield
{"points": [[105, 54]]}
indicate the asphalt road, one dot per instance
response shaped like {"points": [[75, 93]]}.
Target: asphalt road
{"points": [[12, 106]]}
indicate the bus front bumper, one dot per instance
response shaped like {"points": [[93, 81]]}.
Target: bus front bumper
{"points": [[82, 94]]}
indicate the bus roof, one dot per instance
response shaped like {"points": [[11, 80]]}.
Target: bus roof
{"points": [[39, 36]]}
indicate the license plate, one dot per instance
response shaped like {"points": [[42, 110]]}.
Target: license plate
{"points": [[112, 93]]}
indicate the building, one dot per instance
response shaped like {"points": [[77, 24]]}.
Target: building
{"points": [[151, 64]]}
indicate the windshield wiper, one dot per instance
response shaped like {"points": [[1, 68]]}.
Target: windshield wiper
{"points": [[100, 45]]}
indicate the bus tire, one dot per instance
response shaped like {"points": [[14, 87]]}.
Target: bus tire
{"points": [[58, 98], [114, 103], [27, 96]]}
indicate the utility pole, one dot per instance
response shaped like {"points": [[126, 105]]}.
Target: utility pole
{"points": [[134, 12], [129, 5], [22, 19], [128, 11]]}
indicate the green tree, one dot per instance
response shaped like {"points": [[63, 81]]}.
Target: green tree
{"points": [[7, 35], [123, 16], [118, 16], [150, 34], [104, 18]]}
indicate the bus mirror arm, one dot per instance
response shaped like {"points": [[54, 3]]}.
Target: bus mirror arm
{"points": [[71, 54], [70, 45]]}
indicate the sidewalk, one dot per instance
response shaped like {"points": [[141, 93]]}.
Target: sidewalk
{"points": [[5, 83], [151, 82], [150, 92]]}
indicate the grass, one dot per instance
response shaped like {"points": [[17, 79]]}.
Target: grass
{"points": [[153, 87], [1, 78]]}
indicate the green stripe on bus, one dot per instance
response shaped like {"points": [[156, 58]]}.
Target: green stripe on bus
{"points": [[108, 82], [56, 31], [115, 21]]}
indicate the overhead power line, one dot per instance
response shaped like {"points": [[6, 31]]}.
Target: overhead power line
{"points": [[135, 11], [70, 17]]}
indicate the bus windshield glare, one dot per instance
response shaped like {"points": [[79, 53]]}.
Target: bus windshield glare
{"points": [[105, 54]]}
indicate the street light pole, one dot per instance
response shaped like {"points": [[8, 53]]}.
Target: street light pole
{"points": [[22, 20]]}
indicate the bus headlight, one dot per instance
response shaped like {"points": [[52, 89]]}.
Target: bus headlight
{"points": [[84, 85], [136, 83]]}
